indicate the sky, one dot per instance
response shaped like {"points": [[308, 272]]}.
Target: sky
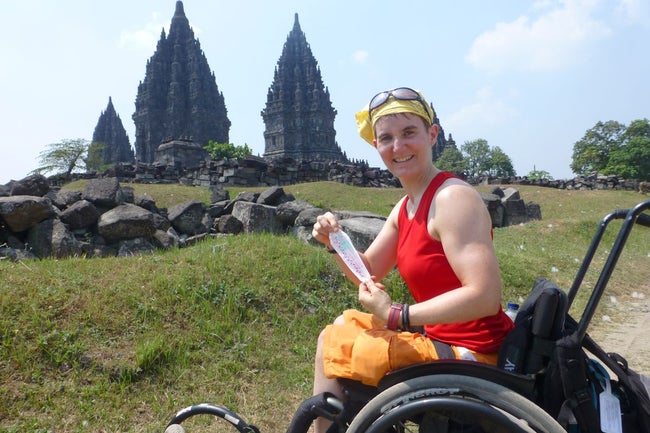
{"points": [[530, 77]]}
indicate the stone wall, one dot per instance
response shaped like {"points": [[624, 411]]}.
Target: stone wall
{"points": [[255, 171], [592, 181], [107, 219], [252, 171]]}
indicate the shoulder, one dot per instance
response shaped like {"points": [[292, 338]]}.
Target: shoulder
{"points": [[458, 203], [394, 213], [454, 189]]}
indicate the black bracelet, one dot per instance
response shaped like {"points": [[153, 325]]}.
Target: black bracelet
{"points": [[406, 320], [330, 250]]}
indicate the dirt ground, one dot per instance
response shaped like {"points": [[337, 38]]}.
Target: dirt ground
{"points": [[625, 328]]}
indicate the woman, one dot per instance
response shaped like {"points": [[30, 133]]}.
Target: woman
{"points": [[440, 237]]}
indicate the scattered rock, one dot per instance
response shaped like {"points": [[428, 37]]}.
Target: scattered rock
{"points": [[106, 219]]}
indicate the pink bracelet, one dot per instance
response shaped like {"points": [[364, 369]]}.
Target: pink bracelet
{"points": [[394, 316]]}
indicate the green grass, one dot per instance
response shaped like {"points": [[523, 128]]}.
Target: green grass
{"points": [[121, 344]]}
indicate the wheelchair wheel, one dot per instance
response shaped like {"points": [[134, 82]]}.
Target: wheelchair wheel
{"points": [[452, 404]]}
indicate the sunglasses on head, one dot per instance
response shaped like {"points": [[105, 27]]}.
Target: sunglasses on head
{"points": [[400, 93]]}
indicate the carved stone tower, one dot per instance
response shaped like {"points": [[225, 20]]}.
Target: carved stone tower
{"points": [[299, 117], [441, 142], [179, 97], [110, 139]]}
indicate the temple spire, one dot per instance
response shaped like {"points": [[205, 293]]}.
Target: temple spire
{"points": [[296, 24], [110, 143], [179, 97], [299, 117], [179, 9]]}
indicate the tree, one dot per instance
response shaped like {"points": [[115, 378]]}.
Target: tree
{"points": [[95, 158], [63, 157], [631, 161], [477, 153], [500, 163], [591, 152], [612, 148], [451, 159], [227, 150], [638, 128], [535, 174]]}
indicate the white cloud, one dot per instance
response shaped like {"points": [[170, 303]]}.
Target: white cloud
{"points": [[634, 12], [145, 38], [486, 111], [360, 56], [556, 35]]}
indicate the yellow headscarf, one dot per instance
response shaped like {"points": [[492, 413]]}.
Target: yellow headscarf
{"points": [[366, 126]]}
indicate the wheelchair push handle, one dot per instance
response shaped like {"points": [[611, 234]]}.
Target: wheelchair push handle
{"points": [[631, 218], [324, 405], [174, 426], [644, 220]]}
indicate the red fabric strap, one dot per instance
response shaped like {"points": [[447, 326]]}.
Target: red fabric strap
{"points": [[394, 316]]}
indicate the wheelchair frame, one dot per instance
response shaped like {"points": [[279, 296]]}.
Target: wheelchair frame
{"points": [[449, 392]]}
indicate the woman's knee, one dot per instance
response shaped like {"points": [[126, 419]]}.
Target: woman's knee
{"points": [[338, 321]]}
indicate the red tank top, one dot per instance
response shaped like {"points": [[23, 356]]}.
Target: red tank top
{"points": [[422, 263]]}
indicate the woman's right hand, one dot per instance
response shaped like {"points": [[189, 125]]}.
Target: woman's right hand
{"points": [[324, 225], [374, 298]]}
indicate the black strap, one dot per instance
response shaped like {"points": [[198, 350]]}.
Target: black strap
{"points": [[573, 371], [443, 350]]}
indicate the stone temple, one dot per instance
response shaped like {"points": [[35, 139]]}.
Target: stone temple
{"points": [[179, 107], [179, 98], [299, 117], [110, 141]]}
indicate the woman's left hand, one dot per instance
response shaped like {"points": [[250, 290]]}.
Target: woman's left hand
{"points": [[374, 298]]}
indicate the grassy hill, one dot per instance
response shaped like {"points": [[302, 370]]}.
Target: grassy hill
{"points": [[121, 344]]}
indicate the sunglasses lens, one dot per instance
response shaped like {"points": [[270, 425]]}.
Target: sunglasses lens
{"points": [[378, 100], [405, 94]]}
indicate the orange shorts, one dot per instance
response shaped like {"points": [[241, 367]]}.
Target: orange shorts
{"points": [[362, 349]]}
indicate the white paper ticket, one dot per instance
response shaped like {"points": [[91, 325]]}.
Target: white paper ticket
{"points": [[343, 245]]}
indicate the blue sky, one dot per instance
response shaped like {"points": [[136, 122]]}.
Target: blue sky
{"points": [[530, 77]]}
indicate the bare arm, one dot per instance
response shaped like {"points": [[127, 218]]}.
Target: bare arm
{"points": [[461, 222]]}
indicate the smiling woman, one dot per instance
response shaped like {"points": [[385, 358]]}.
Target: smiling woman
{"points": [[439, 237]]}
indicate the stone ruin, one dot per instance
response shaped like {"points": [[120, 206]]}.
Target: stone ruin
{"points": [[506, 207], [108, 219], [179, 107], [179, 96]]}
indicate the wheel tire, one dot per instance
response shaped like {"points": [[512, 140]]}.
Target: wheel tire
{"points": [[488, 406]]}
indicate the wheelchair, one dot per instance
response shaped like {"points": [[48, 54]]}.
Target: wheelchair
{"points": [[456, 396]]}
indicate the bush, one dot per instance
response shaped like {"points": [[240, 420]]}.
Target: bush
{"points": [[227, 150]]}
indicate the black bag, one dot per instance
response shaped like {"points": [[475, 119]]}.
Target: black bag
{"points": [[539, 323], [544, 343], [628, 387], [572, 381], [567, 383]]}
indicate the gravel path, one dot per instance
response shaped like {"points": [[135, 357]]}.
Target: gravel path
{"points": [[627, 330]]}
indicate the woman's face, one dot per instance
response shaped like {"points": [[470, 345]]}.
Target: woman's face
{"points": [[404, 143]]}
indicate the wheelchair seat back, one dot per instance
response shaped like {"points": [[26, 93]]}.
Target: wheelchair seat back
{"points": [[541, 321]]}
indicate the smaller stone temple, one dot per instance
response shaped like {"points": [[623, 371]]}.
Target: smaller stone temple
{"points": [[110, 143], [299, 117]]}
